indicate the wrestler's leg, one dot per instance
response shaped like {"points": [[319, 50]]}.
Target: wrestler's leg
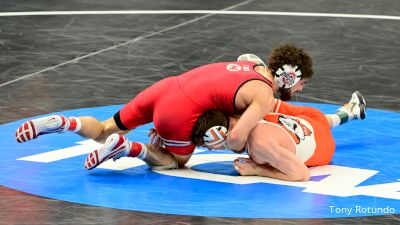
{"points": [[352, 110], [330, 118], [257, 149], [99, 131], [117, 146], [87, 127], [272, 154], [263, 140], [45, 125]]}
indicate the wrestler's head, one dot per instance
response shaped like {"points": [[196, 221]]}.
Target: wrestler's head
{"points": [[208, 120], [291, 67]]}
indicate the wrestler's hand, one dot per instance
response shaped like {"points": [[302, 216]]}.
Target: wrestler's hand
{"points": [[155, 139], [245, 166]]}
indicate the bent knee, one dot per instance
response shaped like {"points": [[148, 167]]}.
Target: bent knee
{"points": [[108, 127], [305, 177]]}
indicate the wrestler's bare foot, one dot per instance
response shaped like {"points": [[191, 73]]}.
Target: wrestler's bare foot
{"points": [[245, 166]]}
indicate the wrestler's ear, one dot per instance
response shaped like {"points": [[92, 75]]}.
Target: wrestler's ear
{"points": [[215, 137]]}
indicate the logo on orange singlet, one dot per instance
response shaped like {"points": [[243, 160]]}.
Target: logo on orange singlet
{"points": [[233, 67], [296, 129]]}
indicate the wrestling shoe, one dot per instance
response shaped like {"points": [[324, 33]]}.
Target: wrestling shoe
{"points": [[354, 109], [115, 147], [45, 125]]}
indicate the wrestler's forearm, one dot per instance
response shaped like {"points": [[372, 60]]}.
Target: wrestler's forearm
{"points": [[237, 137]]}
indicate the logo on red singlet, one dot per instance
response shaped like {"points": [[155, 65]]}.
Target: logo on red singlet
{"points": [[233, 67], [297, 130]]}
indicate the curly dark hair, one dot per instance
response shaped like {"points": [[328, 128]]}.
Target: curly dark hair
{"points": [[293, 55]]}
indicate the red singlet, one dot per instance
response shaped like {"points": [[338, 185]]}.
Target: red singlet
{"points": [[174, 104]]}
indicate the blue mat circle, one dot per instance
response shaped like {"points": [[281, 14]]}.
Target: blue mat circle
{"points": [[371, 145]]}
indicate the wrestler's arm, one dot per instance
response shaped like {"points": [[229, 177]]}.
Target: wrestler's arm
{"points": [[277, 162], [160, 158], [259, 100]]}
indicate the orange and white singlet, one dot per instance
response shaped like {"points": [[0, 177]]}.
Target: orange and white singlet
{"points": [[309, 130]]}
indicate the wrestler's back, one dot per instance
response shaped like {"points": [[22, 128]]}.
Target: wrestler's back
{"points": [[208, 87], [324, 147]]}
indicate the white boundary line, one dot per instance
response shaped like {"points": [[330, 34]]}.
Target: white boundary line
{"points": [[214, 12], [157, 12]]}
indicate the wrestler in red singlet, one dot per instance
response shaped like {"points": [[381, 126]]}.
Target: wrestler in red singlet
{"points": [[174, 104], [309, 130]]}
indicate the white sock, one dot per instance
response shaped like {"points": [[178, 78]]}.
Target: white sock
{"points": [[138, 150], [75, 124], [336, 121], [143, 153]]}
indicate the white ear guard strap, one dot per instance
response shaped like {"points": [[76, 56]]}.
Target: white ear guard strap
{"points": [[287, 76]]}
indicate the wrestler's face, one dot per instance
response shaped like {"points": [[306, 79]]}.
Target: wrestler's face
{"points": [[298, 87]]}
